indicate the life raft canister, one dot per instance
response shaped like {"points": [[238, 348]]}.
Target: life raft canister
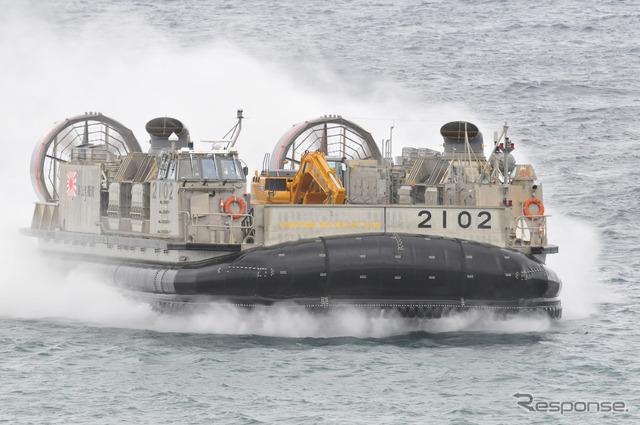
{"points": [[527, 204], [239, 201]]}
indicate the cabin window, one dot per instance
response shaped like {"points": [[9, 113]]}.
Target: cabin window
{"points": [[239, 171], [209, 169], [189, 169], [338, 167], [229, 169]]}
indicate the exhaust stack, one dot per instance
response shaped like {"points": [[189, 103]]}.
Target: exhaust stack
{"points": [[161, 130], [454, 139]]}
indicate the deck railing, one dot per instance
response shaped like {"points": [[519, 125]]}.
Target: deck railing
{"points": [[531, 230], [220, 222]]}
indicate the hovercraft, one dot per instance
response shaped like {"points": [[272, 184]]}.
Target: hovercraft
{"points": [[330, 222]]}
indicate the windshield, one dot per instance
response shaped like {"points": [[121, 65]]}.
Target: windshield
{"points": [[230, 169], [189, 169], [209, 169]]}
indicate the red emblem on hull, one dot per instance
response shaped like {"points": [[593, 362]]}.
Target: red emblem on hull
{"points": [[72, 183]]}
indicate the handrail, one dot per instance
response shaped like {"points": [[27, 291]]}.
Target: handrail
{"points": [[245, 222], [533, 229]]}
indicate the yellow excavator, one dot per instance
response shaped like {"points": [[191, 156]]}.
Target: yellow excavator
{"points": [[314, 183]]}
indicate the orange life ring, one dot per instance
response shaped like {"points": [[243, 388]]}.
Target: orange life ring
{"points": [[239, 201], [527, 204]]}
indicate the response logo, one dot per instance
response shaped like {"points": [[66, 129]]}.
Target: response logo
{"points": [[528, 403]]}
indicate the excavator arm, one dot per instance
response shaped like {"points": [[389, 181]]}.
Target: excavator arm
{"points": [[316, 182]]}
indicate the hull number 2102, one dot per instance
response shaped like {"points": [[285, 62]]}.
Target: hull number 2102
{"points": [[463, 219]]}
